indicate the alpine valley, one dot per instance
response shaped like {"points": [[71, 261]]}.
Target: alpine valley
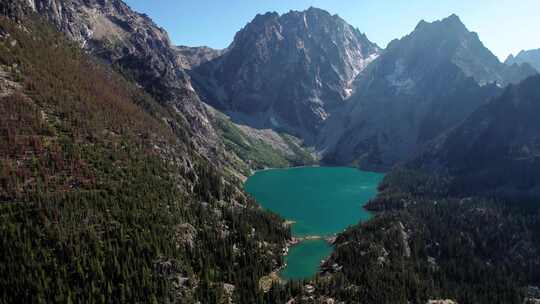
{"points": [[123, 160]]}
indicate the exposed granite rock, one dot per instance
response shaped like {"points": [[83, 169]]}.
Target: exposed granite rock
{"points": [[185, 235], [404, 236], [192, 57], [287, 72], [441, 302], [419, 87], [134, 44], [7, 85], [533, 295], [531, 57]]}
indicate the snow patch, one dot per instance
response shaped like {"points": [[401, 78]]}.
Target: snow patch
{"points": [[189, 86]]}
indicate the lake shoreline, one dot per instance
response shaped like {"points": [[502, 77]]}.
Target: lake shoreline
{"points": [[254, 171], [317, 202]]}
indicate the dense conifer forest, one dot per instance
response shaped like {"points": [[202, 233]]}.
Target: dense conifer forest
{"points": [[101, 201], [426, 245]]}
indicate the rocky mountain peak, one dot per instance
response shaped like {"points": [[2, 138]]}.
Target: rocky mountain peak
{"points": [[509, 59], [449, 39], [449, 33], [531, 57], [316, 10], [111, 31], [265, 16], [192, 57], [453, 21], [287, 71], [420, 86]]}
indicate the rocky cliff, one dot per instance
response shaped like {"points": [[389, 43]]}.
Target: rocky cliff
{"points": [[137, 47], [133, 44], [287, 72], [192, 57], [420, 86], [531, 57]]}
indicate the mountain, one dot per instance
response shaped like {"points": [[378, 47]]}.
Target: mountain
{"points": [[192, 57], [105, 193], [287, 72], [420, 86], [531, 57], [139, 49], [461, 221], [113, 32], [496, 150], [118, 183]]}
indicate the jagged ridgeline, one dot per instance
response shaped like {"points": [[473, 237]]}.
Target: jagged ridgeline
{"points": [[531, 57], [102, 199]]}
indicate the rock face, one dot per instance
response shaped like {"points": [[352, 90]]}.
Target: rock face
{"points": [[287, 72], [192, 57], [497, 149], [531, 57], [111, 31], [420, 86], [138, 48], [306, 73]]}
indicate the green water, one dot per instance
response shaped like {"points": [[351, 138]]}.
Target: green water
{"points": [[304, 259], [321, 201]]}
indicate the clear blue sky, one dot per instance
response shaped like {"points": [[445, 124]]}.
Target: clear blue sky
{"points": [[505, 26]]}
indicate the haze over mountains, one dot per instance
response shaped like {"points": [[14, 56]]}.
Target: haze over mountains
{"points": [[531, 57]]}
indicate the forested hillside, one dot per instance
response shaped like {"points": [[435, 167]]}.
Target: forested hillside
{"points": [[102, 200], [461, 221], [424, 245]]}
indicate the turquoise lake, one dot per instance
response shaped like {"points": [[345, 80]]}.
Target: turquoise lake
{"points": [[322, 201]]}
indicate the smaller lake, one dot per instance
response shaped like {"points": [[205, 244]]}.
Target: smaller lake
{"points": [[304, 259], [322, 201]]}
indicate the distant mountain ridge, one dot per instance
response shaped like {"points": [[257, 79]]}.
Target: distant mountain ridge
{"points": [[312, 75], [306, 73], [420, 86], [531, 57], [287, 72], [192, 57]]}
